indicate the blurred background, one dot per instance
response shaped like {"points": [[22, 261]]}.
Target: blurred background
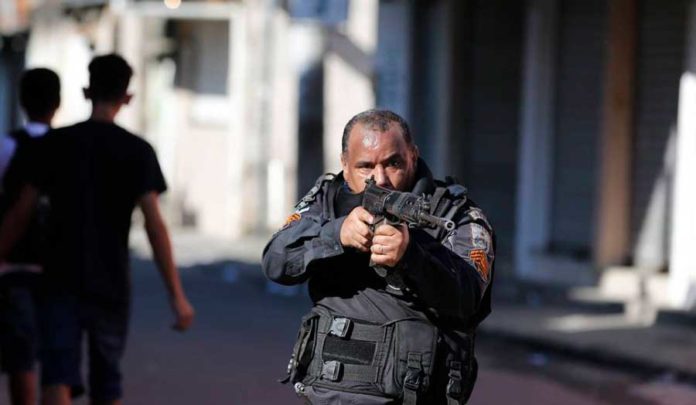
{"points": [[571, 122]]}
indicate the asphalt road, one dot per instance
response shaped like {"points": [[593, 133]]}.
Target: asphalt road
{"points": [[244, 331]]}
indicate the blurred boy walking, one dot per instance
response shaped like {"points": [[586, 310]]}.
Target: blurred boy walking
{"points": [[39, 97], [95, 173]]}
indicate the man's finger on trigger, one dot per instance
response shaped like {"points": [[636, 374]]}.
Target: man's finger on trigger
{"points": [[357, 229], [362, 229], [365, 216]]}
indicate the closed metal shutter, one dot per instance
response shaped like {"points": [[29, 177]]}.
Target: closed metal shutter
{"points": [[491, 146], [581, 50], [430, 105], [662, 28]]}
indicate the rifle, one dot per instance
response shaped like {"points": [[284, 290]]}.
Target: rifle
{"points": [[396, 207]]}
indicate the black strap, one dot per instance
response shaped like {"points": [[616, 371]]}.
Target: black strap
{"points": [[312, 193], [438, 202], [454, 385], [349, 329], [453, 209], [414, 379], [336, 371]]}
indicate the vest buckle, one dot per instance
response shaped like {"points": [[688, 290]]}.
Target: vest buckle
{"points": [[340, 327], [331, 370]]}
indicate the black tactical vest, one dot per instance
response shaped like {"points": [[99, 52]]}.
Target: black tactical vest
{"points": [[412, 360]]}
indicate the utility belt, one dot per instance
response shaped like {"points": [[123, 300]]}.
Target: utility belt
{"points": [[399, 359]]}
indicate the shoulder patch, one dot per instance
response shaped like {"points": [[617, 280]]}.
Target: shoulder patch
{"points": [[480, 260], [294, 217]]}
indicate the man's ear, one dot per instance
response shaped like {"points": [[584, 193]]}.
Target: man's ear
{"points": [[127, 98], [344, 162], [416, 153]]}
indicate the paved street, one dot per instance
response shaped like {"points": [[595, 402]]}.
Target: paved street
{"points": [[236, 350], [513, 374], [239, 345]]}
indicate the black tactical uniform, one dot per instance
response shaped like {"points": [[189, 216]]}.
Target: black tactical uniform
{"points": [[407, 338]]}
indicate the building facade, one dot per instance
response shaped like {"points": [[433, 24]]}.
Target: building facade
{"points": [[572, 122], [569, 120], [232, 94]]}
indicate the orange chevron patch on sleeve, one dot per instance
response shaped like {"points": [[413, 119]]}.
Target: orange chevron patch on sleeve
{"points": [[480, 260], [292, 218]]}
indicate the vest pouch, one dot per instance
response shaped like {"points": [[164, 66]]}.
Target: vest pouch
{"points": [[349, 354], [392, 360], [303, 350], [461, 368], [408, 370]]}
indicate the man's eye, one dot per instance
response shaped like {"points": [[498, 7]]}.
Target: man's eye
{"points": [[395, 163]]}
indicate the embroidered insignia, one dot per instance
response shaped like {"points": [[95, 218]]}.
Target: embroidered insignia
{"points": [[292, 218], [480, 260]]}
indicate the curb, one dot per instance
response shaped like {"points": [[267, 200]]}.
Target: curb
{"points": [[676, 317], [594, 355]]}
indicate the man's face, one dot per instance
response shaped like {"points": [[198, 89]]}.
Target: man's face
{"points": [[384, 155]]}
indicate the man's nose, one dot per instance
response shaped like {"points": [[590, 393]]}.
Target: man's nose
{"points": [[380, 176]]}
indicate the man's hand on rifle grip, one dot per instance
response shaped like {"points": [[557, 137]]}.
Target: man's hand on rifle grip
{"points": [[389, 244], [355, 231]]}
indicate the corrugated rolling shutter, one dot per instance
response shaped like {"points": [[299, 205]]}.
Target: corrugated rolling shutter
{"points": [[660, 61], [581, 50]]}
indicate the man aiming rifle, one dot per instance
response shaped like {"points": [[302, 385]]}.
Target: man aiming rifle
{"points": [[405, 335]]}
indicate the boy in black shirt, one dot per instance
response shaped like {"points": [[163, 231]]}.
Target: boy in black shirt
{"points": [[39, 97], [95, 173]]}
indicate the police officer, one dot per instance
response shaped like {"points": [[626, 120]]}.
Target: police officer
{"points": [[407, 337]]}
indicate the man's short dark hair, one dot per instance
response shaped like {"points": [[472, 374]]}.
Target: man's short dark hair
{"points": [[377, 120], [109, 76], [39, 92]]}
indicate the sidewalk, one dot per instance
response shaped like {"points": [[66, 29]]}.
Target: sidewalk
{"points": [[600, 332], [611, 339], [193, 249]]}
